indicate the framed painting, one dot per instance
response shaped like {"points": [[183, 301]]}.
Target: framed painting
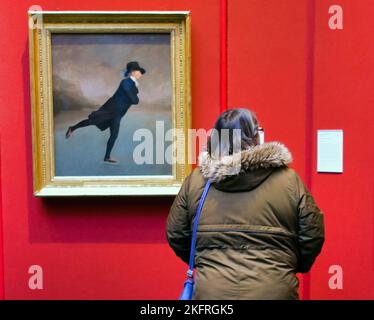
{"points": [[110, 96]]}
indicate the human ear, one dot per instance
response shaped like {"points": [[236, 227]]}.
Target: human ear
{"points": [[257, 138]]}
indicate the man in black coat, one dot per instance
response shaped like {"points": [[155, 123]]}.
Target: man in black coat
{"points": [[112, 111]]}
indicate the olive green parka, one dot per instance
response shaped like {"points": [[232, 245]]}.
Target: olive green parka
{"points": [[258, 227]]}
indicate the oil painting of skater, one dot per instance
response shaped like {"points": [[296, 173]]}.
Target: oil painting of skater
{"points": [[111, 113], [105, 87]]}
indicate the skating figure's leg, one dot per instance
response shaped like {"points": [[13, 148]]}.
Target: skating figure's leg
{"points": [[114, 130], [83, 123]]}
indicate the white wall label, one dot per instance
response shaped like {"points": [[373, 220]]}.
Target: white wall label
{"points": [[330, 151]]}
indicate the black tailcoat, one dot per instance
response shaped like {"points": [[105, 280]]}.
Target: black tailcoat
{"points": [[117, 105]]}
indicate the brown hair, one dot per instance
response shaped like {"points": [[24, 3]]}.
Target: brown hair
{"points": [[244, 121]]}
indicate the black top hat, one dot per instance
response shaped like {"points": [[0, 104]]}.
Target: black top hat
{"points": [[132, 66]]}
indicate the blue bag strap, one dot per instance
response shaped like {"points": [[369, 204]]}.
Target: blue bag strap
{"points": [[194, 231]]}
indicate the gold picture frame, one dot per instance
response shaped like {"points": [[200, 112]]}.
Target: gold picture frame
{"points": [[42, 26]]}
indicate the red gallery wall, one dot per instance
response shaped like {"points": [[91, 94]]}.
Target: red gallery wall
{"points": [[344, 99], [283, 62], [301, 76]]}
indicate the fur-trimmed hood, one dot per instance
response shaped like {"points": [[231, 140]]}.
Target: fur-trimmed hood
{"points": [[258, 161]]}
